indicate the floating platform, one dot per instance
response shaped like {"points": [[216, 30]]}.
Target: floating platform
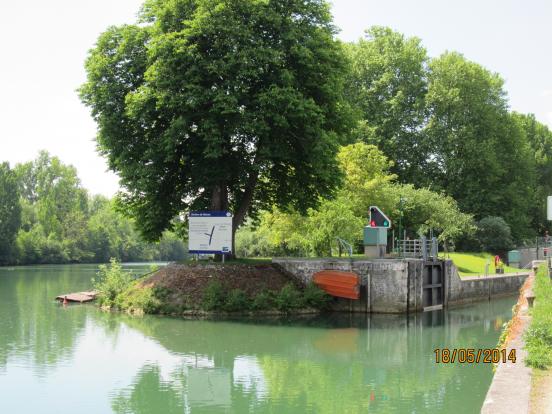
{"points": [[80, 297], [338, 283]]}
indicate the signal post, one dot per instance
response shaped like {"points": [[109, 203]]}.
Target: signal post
{"points": [[375, 234]]}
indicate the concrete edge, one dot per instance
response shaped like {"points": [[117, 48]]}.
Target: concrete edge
{"points": [[510, 389]]}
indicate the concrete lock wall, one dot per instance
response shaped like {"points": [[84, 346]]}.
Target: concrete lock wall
{"points": [[397, 286], [473, 289]]}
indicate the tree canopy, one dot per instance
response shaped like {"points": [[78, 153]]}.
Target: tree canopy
{"points": [[219, 104], [10, 211], [47, 217], [367, 182], [446, 124]]}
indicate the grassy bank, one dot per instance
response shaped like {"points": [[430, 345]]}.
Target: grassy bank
{"points": [[471, 264], [206, 288], [538, 338]]}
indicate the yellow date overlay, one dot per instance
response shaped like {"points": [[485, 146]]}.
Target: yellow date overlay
{"points": [[474, 356]]}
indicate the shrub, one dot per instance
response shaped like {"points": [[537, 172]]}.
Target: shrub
{"points": [[263, 301], [494, 235], [111, 281], [138, 299], [213, 296], [316, 297], [237, 300], [161, 292], [289, 298]]}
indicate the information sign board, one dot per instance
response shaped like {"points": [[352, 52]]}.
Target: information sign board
{"points": [[210, 232]]}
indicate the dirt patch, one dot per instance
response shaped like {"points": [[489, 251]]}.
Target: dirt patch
{"points": [[188, 282], [515, 326]]}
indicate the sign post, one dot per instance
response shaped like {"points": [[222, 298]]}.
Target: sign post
{"points": [[210, 232]]}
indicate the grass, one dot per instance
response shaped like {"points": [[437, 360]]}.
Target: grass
{"points": [[246, 261], [538, 338], [470, 264]]}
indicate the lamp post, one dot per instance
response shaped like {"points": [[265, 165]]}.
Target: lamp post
{"points": [[401, 205]]}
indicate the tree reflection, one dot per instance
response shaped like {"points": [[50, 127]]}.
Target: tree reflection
{"points": [[380, 363], [149, 394], [34, 328]]}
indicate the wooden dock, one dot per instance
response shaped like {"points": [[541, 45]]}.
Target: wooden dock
{"points": [[80, 297]]}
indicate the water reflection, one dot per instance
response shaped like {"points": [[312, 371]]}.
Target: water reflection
{"points": [[327, 364], [351, 364]]}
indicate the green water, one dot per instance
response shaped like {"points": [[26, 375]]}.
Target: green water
{"points": [[78, 359]]}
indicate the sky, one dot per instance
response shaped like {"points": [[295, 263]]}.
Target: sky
{"points": [[43, 45]]}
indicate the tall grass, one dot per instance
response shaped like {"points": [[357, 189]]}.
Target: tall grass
{"points": [[538, 338]]}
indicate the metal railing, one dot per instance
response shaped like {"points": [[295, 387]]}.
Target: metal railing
{"points": [[417, 248], [344, 245]]}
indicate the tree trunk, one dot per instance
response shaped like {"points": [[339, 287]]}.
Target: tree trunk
{"points": [[219, 202], [245, 202]]}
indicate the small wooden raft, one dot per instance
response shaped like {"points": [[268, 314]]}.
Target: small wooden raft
{"points": [[80, 297]]}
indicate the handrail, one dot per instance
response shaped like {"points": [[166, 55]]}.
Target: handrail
{"points": [[346, 245]]}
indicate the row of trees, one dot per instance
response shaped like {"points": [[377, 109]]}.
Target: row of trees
{"points": [[47, 217], [368, 181], [244, 105], [445, 122]]}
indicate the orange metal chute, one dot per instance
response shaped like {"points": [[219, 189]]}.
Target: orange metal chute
{"points": [[338, 283]]}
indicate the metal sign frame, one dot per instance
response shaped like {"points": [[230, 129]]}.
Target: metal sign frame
{"points": [[384, 216]]}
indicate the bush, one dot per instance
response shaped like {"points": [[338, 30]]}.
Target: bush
{"points": [[289, 298], [213, 296], [138, 299], [111, 281], [263, 301], [237, 300], [494, 235], [315, 297]]}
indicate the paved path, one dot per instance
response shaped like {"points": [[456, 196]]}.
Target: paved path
{"points": [[511, 387]]}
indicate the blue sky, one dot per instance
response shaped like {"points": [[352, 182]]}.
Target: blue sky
{"points": [[43, 46]]}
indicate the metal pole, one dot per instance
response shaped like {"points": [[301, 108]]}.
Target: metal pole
{"points": [[400, 222]]}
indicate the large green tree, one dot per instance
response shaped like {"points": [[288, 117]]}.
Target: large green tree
{"points": [[10, 211], [539, 137], [220, 104], [387, 84], [481, 156]]}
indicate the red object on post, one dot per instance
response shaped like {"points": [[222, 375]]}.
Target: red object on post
{"points": [[338, 283]]}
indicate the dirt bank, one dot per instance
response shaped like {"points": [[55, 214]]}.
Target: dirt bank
{"points": [[188, 282]]}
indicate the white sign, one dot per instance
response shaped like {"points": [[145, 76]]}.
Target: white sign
{"points": [[210, 232], [549, 208]]}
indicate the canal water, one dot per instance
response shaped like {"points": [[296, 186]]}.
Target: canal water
{"points": [[79, 359]]}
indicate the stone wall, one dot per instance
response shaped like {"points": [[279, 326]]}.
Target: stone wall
{"points": [[396, 286], [385, 286]]}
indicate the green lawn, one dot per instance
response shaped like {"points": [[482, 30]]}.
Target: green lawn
{"points": [[469, 264]]}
